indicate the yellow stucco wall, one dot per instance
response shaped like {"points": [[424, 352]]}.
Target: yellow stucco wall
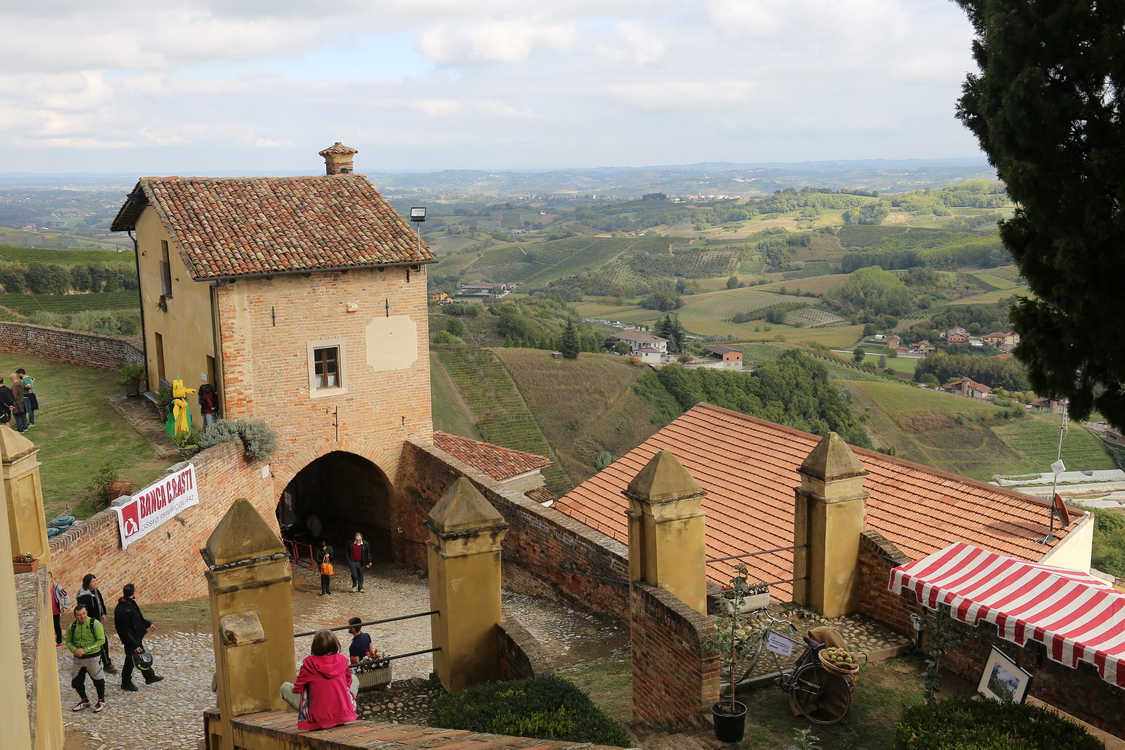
{"points": [[1075, 550], [185, 328]]}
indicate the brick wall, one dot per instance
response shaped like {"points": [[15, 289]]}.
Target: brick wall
{"points": [[69, 347], [165, 565], [877, 557], [521, 656], [1080, 692], [675, 671], [539, 543]]}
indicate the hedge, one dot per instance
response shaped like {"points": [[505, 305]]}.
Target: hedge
{"points": [[967, 724]]}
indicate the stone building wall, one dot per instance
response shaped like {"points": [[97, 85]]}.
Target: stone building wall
{"points": [[675, 671], [165, 565], [69, 347], [542, 544], [521, 655]]}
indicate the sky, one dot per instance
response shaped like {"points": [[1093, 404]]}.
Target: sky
{"points": [[203, 86]]}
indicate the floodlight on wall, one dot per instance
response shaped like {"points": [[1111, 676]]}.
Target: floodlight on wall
{"points": [[417, 215]]}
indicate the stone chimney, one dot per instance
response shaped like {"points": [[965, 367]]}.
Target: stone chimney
{"points": [[338, 159]]}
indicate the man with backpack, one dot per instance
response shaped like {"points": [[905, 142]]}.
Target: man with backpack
{"points": [[86, 638], [131, 627]]}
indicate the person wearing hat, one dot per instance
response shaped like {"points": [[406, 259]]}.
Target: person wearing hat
{"points": [[131, 628]]}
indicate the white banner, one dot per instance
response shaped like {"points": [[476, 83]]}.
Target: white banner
{"points": [[155, 504]]}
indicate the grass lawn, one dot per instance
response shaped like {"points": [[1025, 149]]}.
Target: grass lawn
{"points": [[884, 689], [78, 433], [1036, 440]]}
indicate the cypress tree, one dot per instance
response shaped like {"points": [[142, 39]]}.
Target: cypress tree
{"points": [[1047, 108], [569, 346]]}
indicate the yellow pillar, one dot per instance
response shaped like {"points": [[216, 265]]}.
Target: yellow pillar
{"points": [[829, 518], [251, 614], [464, 562], [667, 530], [27, 529], [14, 716]]}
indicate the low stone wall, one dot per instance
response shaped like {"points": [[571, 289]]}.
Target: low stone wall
{"points": [[521, 656], [69, 347], [277, 730], [877, 557], [545, 552], [165, 565], [675, 670]]}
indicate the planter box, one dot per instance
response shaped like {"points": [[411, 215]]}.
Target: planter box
{"points": [[749, 604], [371, 676], [30, 567]]}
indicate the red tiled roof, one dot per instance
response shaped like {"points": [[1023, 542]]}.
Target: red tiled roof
{"points": [[498, 463], [261, 225], [748, 467]]}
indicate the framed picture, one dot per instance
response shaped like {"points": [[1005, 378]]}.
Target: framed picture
{"points": [[1002, 680]]}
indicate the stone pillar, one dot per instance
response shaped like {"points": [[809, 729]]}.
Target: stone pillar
{"points": [[251, 614], [464, 564], [27, 530], [667, 532], [829, 518], [14, 711]]}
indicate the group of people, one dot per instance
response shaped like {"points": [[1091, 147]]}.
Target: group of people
{"points": [[359, 559], [324, 693], [85, 638], [18, 402]]}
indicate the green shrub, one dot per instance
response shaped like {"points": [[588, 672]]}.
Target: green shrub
{"points": [[45, 318], [966, 724], [220, 431], [546, 708], [259, 440]]}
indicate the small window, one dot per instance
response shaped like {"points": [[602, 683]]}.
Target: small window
{"points": [[326, 368], [165, 270]]}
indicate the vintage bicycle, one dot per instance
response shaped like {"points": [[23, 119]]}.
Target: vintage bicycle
{"points": [[822, 696]]}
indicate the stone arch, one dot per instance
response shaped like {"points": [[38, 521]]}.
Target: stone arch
{"points": [[347, 485]]}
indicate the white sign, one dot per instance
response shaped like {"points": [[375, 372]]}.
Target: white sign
{"points": [[155, 504], [780, 645]]}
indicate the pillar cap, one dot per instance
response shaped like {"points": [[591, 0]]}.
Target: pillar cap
{"points": [[832, 459], [462, 508], [242, 535], [663, 478], [14, 445]]}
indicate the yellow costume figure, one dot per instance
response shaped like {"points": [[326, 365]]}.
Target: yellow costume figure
{"points": [[179, 417]]}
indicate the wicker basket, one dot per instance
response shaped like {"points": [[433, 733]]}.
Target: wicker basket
{"points": [[373, 674]]}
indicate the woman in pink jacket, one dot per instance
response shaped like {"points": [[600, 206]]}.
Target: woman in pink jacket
{"points": [[324, 685]]}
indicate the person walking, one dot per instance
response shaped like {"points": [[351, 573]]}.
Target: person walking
{"points": [[85, 638], [32, 404], [324, 562], [19, 409], [359, 557], [91, 598], [60, 600], [131, 627]]}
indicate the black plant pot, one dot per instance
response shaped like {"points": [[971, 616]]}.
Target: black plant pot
{"points": [[729, 727]]}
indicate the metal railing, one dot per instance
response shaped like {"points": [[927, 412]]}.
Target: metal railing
{"points": [[294, 548], [381, 659]]}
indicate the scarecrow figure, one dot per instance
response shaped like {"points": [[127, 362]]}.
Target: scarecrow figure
{"points": [[179, 416]]}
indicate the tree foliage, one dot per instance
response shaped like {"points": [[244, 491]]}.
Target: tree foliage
{"points": [[1008, 374], [1047, 109], [793, 390], [569, 346]]}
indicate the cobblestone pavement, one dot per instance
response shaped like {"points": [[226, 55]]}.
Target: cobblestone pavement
{"points": [[169, 713]]}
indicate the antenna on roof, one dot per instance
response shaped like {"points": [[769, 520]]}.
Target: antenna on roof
{"points": [[1058, 507]]}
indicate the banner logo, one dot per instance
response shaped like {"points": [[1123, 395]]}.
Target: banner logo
{"points": [[156, 504]]}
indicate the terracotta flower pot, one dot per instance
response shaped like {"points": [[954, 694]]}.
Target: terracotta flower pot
{"points": [[28, 567]]}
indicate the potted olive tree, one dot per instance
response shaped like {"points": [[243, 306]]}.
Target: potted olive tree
{"points": [[131, 377], [730, 715]]}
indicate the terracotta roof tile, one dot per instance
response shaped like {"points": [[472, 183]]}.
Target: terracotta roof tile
{"points": [[748, 467], [498, 463], [261, 225]]}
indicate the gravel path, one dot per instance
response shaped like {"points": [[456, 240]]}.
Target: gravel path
{"points": [[169, 713]]}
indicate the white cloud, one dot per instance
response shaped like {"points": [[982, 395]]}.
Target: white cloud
{"points": [[496, 42]]}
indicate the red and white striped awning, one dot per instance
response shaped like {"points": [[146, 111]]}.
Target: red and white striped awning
{"points": [[1075, 615]]}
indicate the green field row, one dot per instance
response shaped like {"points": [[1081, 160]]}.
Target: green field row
{"points": [[26, 304], [63, 257]]}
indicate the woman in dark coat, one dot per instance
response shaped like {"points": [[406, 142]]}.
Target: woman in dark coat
{"points": [[323, 557]]}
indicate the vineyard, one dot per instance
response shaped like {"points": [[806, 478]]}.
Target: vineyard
{"points": [[63, 257], [26, 304], [502, 415], [807, 317]]}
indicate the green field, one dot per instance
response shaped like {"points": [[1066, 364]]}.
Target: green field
{"points": [[78, 433], [64, 257], [995, 281], [450, 412], [1036, 440], [994, 296], [26, 304]]}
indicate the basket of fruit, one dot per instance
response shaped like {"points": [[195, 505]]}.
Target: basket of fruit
{"points": [[840, 661]]}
